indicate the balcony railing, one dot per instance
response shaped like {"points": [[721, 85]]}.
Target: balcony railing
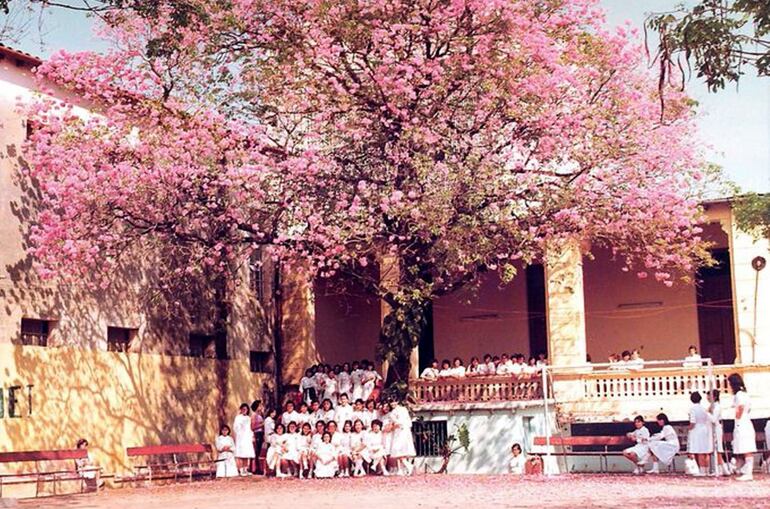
{"points": [[477, 389]]}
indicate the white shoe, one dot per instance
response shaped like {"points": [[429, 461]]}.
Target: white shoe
{"points": [[654, 470], [745, 477], [638, 470]]}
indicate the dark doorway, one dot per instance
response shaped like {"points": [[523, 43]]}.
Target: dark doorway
{"points": [[715, 310], [425, 349], [538, 332]]}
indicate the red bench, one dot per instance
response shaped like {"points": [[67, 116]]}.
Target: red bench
{"points": [[42, 476], [620, 440], [174, 462]]}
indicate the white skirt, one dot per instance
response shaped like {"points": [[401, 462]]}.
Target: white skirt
{"points": [[402, 444], [664, 451], [642, 451], [244, 446], [325, 471], [744, 437], [719, 431], [227, 467], [700, 440]]}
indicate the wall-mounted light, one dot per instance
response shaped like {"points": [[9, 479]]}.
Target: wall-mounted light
{"points": [[641, 305]]}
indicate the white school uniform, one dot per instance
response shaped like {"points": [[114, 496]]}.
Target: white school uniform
{"points": [[269, 427], [744, 437], [665, 445], [316, 440], [287, 417], [357, 443], [642, 448], [308, 386], [504, 368], [402, 444], [429, 373], [276, 450], [343, 413], [374, 449], [324, 415], [370, 415], [516, 369], [369, 380], [699, 438], [635, 364], [341, 442], [356, 379], [326, 460], [458, 372], [292, 446], [446, 373], [360, 415], [530, 370], [387, 435], [516, 464], [330, 390], [244, 437], [491, 368], [692, 361], [344, 384], [716, 422], [304, 444], [226, 467], [472, 370]]}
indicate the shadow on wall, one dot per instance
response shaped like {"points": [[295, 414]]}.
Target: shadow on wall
{"points": [[116, 400]]}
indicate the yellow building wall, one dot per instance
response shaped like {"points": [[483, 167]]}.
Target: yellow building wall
{"points": [[117, 400], [620, 314], [491, 318]]}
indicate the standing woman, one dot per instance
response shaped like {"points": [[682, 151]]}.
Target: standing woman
{"points": [[744, 438], [402, 443], [663, 445], [244, 440], [258, 428], [715, 413], [700, 440]]}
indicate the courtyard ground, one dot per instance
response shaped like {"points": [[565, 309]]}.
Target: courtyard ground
{"points": [[427, 491]]}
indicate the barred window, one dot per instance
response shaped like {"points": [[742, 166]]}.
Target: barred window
{"points": [[259, 362], [119, 338], [34, 332], [429, 437], [208, 346]]}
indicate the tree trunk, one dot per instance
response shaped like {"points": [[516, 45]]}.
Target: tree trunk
{"points": [[401, 331]]}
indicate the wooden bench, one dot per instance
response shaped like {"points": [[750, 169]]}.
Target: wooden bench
{"points": [[41, 476], [605, 442], [179, 466]]}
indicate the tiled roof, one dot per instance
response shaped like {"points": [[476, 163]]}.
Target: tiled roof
{"points": [[18, 55]]}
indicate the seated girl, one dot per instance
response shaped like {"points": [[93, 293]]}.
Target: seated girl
{"points": [[357, 446], [518, 460], [663, 445], [325, 458], [276, 450], [374, 451], [638, 453]]}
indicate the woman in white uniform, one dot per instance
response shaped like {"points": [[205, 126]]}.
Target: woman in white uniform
{"points": [[344, 382], [744, 437], [357, 446], [518, 461], [225, 446], [638, 453], [325, 458], [304, 443], [277, 449], [402, 443], [715, 414], [244, 440], [374, 450], [700, 441], [663, 445]]}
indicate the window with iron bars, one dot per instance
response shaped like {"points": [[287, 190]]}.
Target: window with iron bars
{"points": [[34, 332], [429, 437], [259, 362]]}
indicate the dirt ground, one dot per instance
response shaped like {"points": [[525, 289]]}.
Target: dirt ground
{"points": [[427, 491]]}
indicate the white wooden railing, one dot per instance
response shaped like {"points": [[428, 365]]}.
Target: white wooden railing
{"points": [[477, 389]]}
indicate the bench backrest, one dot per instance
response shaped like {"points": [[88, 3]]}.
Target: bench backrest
{"points": [[63, 454], [157, 450], [584, 440]]}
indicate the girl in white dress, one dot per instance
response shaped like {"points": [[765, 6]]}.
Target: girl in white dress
{"points": [[289, 414], [325, 458], [663, 445], [387, 431], [344, 383], [343, 411], [304, 444], [369, 381], [330, 387], [225, 446], [270, 423], [744, 437], [374, 449], [291, 457], [715, 413], [341, 441], [446, 369], [639, 452], [326, 413], [356, 379], [402, 445], [518, 461], [473, 367], [357, 446], [277, 449], [700, 441], [244, 440], [458, 370], [370, 413]]}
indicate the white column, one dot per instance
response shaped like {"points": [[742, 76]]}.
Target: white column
{"points": [[565, 307]]}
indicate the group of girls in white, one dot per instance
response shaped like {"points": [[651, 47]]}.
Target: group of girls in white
{"points": [[705, 434], [629, 359], [357, 380], [323, 441], [515, 365]]}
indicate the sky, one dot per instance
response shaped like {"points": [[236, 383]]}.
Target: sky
{"points": [[734, 123]]}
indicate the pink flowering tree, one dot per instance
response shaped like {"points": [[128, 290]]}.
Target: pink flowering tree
{"points": [[434, 140]]}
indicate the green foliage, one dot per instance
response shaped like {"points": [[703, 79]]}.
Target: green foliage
{"points": [[752, 214], [716, 37]]}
